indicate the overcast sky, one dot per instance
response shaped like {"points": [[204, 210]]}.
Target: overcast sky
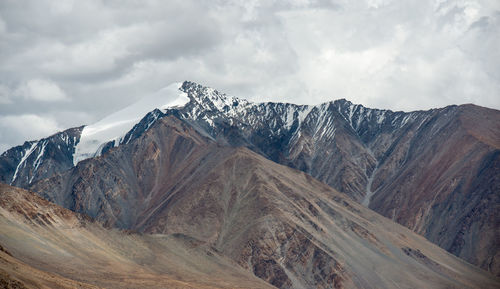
{"points": [[67, 63]]}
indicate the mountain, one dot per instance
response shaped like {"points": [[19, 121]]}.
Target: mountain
{"points": [[271, 221], [435, 172]]}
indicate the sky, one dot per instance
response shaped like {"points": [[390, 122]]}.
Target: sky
{"points": [[66, 63]]}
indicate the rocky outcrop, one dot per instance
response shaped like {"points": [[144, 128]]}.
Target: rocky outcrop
{"points": [[35, 160]]}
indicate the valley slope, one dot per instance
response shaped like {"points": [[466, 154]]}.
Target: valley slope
{"points": [[47, 246]]}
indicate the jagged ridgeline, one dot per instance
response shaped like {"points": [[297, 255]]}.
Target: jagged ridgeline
{"points": [[437, 172]]}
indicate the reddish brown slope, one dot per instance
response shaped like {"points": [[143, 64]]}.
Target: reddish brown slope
{"points": [[446, 184], [281, 223], [15, 274]]}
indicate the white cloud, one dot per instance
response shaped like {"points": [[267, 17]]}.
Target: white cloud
{"points": [[401, 56], [42, 90], [96, 55], [15, 129]]}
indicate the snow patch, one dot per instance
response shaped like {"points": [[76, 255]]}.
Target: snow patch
{"points": [[289, 117], [38, 160], [304, 112], [380, 117], [115, 126], [23, 159]]}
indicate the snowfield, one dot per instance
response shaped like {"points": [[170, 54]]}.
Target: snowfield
{"points": [[115, 126]]}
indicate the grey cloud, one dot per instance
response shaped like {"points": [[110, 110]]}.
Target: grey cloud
{"points": [[19, 128], [104, 55]]}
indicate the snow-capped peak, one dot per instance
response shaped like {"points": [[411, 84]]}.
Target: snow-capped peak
{"points": [[209, 99], [115, 126]]}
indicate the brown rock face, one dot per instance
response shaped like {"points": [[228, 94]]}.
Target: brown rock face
{"points": [[280, 224]]}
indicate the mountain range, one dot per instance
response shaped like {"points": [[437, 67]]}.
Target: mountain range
{"points": [[283, 191]]}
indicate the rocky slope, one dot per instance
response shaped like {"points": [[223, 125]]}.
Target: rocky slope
{"points": [[444, 183], [278, 223], [434, 171], [47, 246]]}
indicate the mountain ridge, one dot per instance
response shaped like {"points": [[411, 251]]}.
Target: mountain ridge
{"points": [[377, 157]]}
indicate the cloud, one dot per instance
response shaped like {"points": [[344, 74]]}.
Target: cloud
{"points": [[42, 90], [401, 56], [5, 95], [90, 58], [15, 129]]}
